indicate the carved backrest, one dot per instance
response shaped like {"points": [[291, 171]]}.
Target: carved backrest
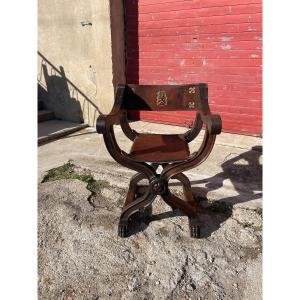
{"points": [[166, 97]]}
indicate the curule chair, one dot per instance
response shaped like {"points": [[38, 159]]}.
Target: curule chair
{"points": [[149, 151]]}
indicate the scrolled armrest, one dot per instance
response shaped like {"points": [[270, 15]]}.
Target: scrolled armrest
{"points": [[213, 123], [104, 121], [101, 124]]}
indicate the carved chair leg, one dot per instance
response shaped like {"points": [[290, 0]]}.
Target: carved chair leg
{"points": [[133, 187], [134, 202], [170, 203], [176, 202], [187, 208], [128, 210], [187, 188], [195, 227]]}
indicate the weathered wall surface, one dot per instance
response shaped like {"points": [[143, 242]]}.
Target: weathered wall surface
{"points": [[217, 42], [76, 56]]}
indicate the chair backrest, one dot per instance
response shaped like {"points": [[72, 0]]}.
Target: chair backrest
{"points": [[165, 97]]}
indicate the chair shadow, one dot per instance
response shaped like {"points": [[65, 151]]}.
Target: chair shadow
{"points": [[244, 172]]}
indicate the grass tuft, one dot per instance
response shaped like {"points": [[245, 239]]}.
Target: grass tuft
{"points": [[67, 171]]}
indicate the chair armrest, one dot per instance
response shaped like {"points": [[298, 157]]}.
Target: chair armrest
{"points": [[105, 121], [197, 126], [113, 118], [213, 123]]}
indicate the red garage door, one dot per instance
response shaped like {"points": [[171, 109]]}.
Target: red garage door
{"points": [[216, 42]]}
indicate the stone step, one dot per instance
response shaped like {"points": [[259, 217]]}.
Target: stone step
{"points": [[55, 129], [45, 115]]}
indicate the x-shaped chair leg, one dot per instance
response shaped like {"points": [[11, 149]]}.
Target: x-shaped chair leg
{"points": [[188, 209], [187, 188], [134, 204], [139, 204]]}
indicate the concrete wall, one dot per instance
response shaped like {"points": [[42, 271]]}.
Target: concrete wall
{"points": [[81, 56]]}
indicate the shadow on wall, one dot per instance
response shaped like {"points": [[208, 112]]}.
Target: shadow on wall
{"points": [[61, 96], [243, 171]]}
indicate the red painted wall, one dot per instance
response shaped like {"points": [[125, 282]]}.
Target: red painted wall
{"points": [[216, 42]]}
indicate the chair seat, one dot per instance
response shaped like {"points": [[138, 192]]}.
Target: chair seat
{"points": [[159, 148]]}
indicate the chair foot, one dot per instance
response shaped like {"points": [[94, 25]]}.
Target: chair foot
{"points": [[147, 211], [123, 229], [143, 215], [195, 229]]}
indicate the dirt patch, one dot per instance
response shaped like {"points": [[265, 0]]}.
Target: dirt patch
{"points": [[81, 256]]}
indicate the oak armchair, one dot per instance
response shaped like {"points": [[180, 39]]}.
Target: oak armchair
{"points": [[149, 151]]}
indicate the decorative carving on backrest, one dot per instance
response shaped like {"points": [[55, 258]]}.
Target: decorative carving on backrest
{"points": [[166, 97], [191, 105], [192, 90], [161, 98]]}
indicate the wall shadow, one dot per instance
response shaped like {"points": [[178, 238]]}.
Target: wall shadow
{"points": [[62, 96], [244, 172], [60, 101]]}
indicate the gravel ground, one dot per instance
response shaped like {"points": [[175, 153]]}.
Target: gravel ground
{"points": [[81, 256]]}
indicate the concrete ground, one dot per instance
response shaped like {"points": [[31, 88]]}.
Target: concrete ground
{"points": [[81, 256]]}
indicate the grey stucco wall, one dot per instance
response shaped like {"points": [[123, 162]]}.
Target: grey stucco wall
{"points": [[81, 56]]}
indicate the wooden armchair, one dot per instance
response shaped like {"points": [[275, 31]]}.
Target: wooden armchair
{"points": [[149, 151]]}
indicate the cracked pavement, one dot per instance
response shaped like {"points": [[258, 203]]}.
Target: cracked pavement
{"points": [[81, 257]]}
